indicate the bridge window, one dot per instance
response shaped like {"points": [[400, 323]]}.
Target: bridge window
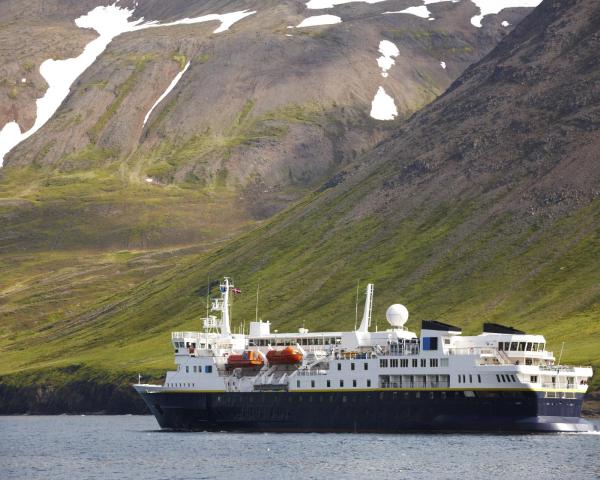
{"points": [[528, 347], [521, 346], [430, 343], [513, 346]]}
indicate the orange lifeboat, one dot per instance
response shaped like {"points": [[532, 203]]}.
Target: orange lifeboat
{"points": [[287, 356], [248, 359]]}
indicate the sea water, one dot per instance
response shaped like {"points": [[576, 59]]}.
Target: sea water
{"points": [[132, 447]]}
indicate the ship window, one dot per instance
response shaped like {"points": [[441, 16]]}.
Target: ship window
{"points": [[534, 347], [528, 347], [354, 383], [528, 361], [414, 362], [368, 383], [533, 379], [479, 378], [500, 345], [433, 362], [423, 362], [503, 379], [464, 379], [187, 369], [194, 368], [339, 366], [444, 362], [383, 363], [459, 379], [298, 383], [470, 378], [208, 369], [514, 379], [394, 362], [352, 366], [521, 346], [341, 383], [312, 384], [328, 383], [366, 366], [513, 346], [498, 378], [430, 343]]}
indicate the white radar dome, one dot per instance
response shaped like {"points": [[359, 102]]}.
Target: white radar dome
{"points": [[397, 315]]}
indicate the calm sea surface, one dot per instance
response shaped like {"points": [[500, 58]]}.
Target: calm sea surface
{"points": [[132, 447]]}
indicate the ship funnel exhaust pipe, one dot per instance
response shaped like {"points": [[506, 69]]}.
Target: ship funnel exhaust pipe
{"points": [[366, 320]]}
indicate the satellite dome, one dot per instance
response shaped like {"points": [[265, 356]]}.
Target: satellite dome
{"points": [[397, 315]]}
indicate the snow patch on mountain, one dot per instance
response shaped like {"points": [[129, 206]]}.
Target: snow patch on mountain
{"points": [[319, 20], [321, 4], [421, 11], [109, 21], [489, 7], [388, 51], [171, 86], [383, 106], [486, 7]]}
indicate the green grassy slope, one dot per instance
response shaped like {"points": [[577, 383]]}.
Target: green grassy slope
{"points": [[483, 207], [308, 261]]}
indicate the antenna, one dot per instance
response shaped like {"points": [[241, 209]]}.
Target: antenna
{"points": [[207, 297], [257, 289], [560, 356], [356, 306]]}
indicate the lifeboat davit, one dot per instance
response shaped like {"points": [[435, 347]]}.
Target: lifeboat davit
{"points": [[248, 359], [287, 356]]}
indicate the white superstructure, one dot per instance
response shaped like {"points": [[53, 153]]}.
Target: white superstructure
{"points": [[500, 359]]}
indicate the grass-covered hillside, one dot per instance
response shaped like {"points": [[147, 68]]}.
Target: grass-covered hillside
{"points": [[467, 215]]}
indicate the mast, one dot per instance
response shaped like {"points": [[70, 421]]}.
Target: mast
{"points": [[366, 320], [225, 326]]}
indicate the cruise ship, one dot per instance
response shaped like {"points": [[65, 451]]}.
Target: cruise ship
{"points": [[502, 380]]}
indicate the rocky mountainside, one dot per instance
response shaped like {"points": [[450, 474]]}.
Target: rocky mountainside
{"points": [[117, 186], [261, 112]]}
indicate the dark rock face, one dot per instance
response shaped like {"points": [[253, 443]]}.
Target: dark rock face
{"points": [[78, 396], [526, 118]]}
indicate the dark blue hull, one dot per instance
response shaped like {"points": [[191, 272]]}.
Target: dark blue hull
{"points": [[367, 411]]}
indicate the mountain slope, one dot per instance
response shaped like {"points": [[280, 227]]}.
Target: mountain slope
{"points": [[482, 207], [97, 202]]}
